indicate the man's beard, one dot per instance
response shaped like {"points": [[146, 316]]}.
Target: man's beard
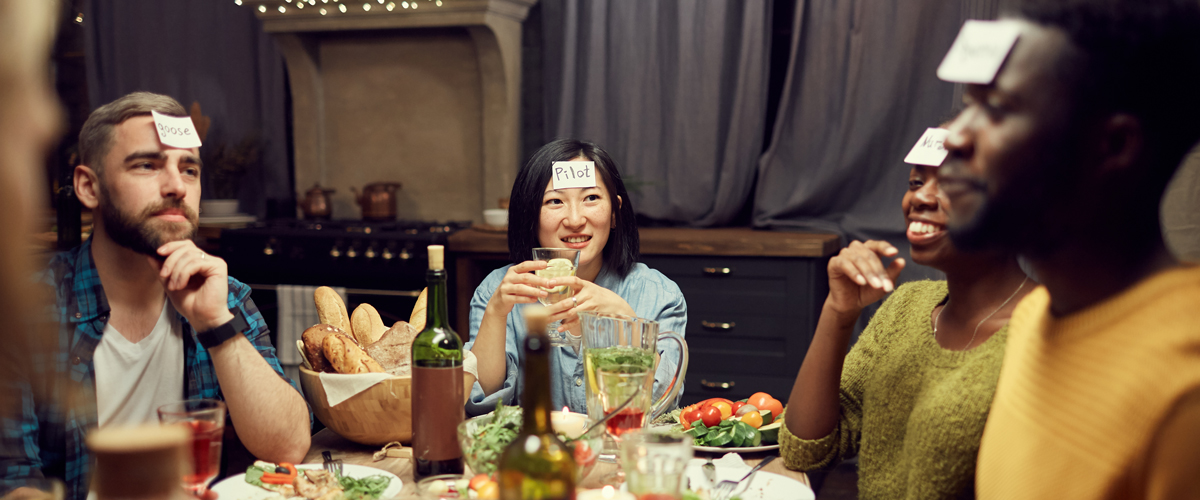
{"points": [[139, 233], [1027, 223]]}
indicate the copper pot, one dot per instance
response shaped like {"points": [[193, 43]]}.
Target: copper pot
{"points": [[378, 201], [316, 203]]}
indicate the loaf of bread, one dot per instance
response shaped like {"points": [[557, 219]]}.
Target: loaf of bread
{"points": [[331, 310], [417, 318], [346, 356], [314, 346], [393, 350], [367, 324]]}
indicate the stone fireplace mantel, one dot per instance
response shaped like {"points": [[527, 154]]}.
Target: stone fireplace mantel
{"points": [[426, 93]]}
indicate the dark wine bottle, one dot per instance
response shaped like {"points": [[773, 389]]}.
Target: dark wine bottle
{"points": [[536, 465], [437, 382]]}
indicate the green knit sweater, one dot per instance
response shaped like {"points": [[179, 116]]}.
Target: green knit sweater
{"points": [[912, 411]]}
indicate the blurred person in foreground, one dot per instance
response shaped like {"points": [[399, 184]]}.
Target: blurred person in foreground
{"points": [[30, 121], [1064, 158], [911, 397], [145, 317]]}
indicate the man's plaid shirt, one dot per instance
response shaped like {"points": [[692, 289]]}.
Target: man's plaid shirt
{"points": [[44, 436]]}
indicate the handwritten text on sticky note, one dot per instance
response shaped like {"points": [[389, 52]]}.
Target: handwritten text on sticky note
{"points": [[929, 149], [979, 51], [176, 131], [573, 174]]}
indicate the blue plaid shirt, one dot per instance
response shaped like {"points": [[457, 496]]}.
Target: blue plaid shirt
{"points": [[44, 437]]}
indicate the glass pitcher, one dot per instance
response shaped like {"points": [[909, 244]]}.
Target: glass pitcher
{"points": [[616, 339]]}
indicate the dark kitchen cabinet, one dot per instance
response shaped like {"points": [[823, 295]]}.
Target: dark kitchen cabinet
{"points": [[750, 320], [753, 299]]}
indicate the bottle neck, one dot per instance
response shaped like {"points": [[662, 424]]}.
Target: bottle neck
{"points": [[535, 399], [436, 310]]}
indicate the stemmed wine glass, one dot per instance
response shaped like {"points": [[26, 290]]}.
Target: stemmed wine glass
{"points": [[205, 418]]}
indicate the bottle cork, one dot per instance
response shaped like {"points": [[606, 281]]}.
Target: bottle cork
{"points": [[437, 257], [536, 319], [145, 462]]}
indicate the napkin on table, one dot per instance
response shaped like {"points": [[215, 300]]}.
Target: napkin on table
{"points": [[729, 467]]}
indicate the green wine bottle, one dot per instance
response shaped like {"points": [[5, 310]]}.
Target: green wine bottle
{"points": [[537, 465], [437, 382]]}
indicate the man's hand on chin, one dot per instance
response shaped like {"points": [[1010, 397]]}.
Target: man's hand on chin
{"points": [[196, 283]]}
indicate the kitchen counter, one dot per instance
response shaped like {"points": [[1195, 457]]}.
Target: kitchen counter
{"points": [[729, 242]]}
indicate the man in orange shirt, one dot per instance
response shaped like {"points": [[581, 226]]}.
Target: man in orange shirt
{"points": [[1064, 158]]}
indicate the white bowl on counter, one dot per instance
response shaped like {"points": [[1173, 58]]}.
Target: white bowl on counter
{"points": [[496, 217]]}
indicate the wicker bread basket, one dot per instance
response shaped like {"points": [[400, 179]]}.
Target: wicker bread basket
{"points": [[374, 417]]}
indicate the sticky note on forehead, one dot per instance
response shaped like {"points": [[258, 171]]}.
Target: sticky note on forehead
{"points": [[979, 51], [176, 131], [929, 149], [573, 174]]}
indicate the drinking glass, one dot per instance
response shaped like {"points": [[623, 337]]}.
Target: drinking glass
{"points": [[654, 462], [206, 420], [562, 263], [621, 383]]}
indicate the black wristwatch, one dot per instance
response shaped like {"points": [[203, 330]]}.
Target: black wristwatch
{"points": [[217, 336]]}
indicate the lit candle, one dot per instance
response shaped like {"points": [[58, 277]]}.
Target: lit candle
{"points": [[605, 493], [568, 423]]}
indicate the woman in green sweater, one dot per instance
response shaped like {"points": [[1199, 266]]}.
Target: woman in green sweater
{"points": [[911, 397]]}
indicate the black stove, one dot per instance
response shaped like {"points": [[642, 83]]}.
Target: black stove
{"points": [[385, 256]]}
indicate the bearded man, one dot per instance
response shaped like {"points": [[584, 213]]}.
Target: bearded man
{"points": [[147, 318]]}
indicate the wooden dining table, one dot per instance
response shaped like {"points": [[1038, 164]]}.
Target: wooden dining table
{"points": [[358, 454]]}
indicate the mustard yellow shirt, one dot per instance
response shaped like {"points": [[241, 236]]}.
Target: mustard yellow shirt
{"points": [[1103, 403]]}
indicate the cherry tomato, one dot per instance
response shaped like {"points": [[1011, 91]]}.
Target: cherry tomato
{"points": [[478, 480], [691, 416], [764, 402], [753, 419], [726, 409], [488, 491], [737, 405], [710, 416]]}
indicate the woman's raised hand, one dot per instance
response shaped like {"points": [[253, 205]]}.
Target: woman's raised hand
{"points": [[520, 286], [588, 297], [857, 277]]}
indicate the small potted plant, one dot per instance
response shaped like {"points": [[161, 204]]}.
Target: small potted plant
{"points": [[225, 166]]}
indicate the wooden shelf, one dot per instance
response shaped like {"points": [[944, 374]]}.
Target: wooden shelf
{"points": [[731, 242]]}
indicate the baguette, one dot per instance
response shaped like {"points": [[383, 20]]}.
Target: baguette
{"points": [[314, 350], [346, 356], [393, 351], [331, 310], [417, 318], [367, 324]]}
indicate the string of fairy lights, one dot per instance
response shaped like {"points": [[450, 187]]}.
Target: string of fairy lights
{"points": [[326, 7]]}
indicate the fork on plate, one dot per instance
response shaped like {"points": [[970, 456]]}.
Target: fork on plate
{"points": [[725, 488], [332, 466]]}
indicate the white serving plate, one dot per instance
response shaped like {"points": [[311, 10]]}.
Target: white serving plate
{"points": [[763, 486], [738, 449], [236, 487]]}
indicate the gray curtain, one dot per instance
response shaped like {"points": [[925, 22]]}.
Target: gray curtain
{"points": [[861, 88], [210, 51], [674, 90]]}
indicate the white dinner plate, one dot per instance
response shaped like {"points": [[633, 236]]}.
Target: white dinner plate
{"points": [[739, 449], [236, 487], [763, 486]]}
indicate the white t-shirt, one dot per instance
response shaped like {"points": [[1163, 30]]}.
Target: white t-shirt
{"points": [[133, 380]]}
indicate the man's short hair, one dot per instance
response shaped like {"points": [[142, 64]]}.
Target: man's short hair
{"points": [[96, 137], [1140, 57]]}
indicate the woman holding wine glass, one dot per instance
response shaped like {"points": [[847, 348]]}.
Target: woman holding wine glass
{"points": [[599, 222]]}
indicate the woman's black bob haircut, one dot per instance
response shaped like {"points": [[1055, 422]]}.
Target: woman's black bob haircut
{"points": [[525, 204]]}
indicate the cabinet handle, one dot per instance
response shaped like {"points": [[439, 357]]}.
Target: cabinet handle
{"points": [[717, 271], [717, 326], [721, 386]]}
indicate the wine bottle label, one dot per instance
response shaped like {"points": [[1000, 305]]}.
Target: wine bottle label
{"points": [[437, 410]]}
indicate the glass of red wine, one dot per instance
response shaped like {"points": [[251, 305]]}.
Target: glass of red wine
{"points": [[618, 384], [205, 418]]}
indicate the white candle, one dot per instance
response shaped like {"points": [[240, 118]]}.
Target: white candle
{"points": [[568, 423], [605, 493]]}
